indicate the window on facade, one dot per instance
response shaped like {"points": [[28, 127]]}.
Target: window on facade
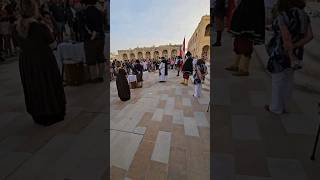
{"points": [[207, 32]]}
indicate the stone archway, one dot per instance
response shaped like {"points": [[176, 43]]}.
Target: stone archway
{"points": [[174, 53], [165, 53], [205, 52], [156, 55], [207, 30], [148, 55], [140, 55], [132, 56], [125, 56]]}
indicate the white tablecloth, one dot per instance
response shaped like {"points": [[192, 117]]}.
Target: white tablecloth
{"points": [[75, 52], [132, 78], [71, 51]]}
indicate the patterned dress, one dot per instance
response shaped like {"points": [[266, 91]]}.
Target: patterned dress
{"points": [[297, 22]]}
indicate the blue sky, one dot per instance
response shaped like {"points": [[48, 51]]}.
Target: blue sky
{"points": [[154, 22]]}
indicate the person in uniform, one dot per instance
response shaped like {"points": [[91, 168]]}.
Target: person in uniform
{"points": [[187, 68]]}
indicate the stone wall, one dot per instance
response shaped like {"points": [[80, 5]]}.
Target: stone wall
{"points": [[149, 52], [199, 43]]}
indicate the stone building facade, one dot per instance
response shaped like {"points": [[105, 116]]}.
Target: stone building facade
{"points": [[199, 43], [154, 52]]}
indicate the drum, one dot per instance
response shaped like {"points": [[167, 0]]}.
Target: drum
{"points": [[74, 73]]}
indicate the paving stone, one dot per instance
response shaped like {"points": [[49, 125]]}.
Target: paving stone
{"points": [[151, 133], [299, 124], [11, 143], [245, 128], [186, 102], [117, 173], [170, 105], [178, 91], [258, 98], [123, 146], [10, 161], [190, 127], [177, 164], [162, 147], [140, 130], [250, 158], [178, 137], [286, 169], [243, 177], [201, 119], [178, 117], [37, 165], [223, 166], [166, 124], [221, 93], [158, 115], [141, 161], [157, 171], [7, 117]]}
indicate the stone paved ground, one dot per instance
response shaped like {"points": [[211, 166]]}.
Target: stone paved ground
{"points": [[161, 133], [73, 149], [252, 144]]}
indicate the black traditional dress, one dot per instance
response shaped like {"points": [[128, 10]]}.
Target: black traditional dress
{"points": [[122, 85], [40, 76], [248, 21]]}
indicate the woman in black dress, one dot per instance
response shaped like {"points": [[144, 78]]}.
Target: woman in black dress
{"points": [[41, 80], [123, 85]]}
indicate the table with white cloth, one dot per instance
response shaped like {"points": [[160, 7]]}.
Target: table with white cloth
{"points": [[132, 79], [71, 59]]}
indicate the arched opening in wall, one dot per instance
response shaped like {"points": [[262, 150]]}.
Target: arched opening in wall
{"points": [[132, 56], [125, 57], [165, 53], [140, 55], [174, 53], [207, 31], [148, 55], [156, 55], [205, 52]]}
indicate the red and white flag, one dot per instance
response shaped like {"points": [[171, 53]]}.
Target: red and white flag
{"points": [[183, 48]]}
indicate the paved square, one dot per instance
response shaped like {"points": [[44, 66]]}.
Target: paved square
{"points": [[172, 128]]}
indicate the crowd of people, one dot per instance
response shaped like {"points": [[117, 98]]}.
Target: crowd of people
{"points": [[189, 66], [36, 28], [150, 65], [64, 18], [8, 44], [291, 29]]}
